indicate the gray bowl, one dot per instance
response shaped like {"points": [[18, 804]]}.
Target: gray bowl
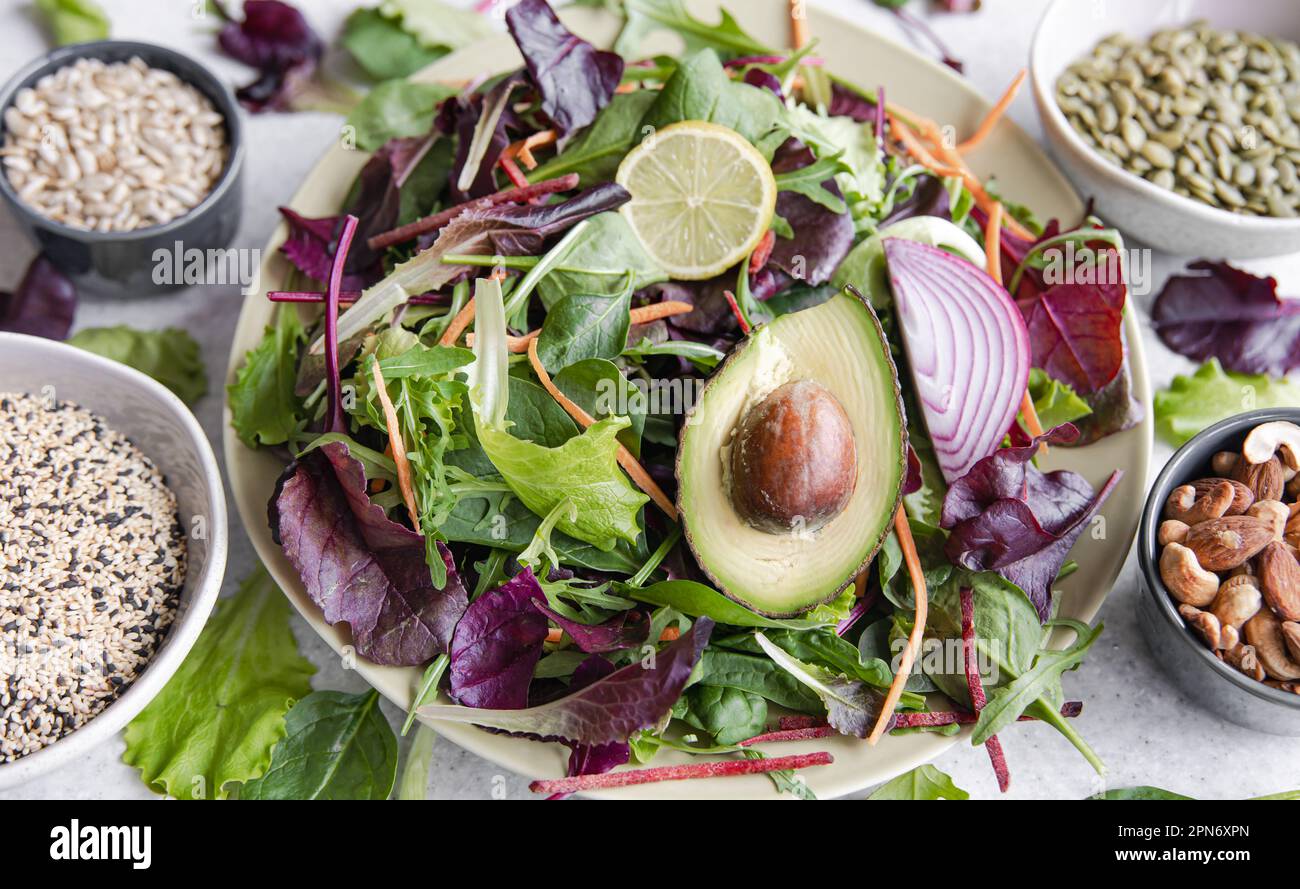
{"points": [[1209, 682], [165, 430], [123, 263]]}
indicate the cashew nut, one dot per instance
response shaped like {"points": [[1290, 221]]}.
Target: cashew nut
{"points": [[1277, 437], [1223, 462], [1184, 577], [1264, 632], [1237, 601], [1291, 635], [1292, 687], [1184, 506], [1244, 658], [1172, 531], [1274, 512]]}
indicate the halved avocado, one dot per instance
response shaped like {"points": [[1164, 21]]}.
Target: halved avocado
{"points": [[791, 465]]}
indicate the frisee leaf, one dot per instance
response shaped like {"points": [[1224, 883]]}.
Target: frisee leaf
{"points": [[263, 407]]}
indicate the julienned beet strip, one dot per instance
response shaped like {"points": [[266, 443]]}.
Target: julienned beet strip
{"points": [[519, 195], [345, 297], [718, 769], [933, 719], [993, 745], [807, 733]]}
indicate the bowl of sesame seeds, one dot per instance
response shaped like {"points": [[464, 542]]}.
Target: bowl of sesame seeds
{"points": [[115, 156], [112, 548]]}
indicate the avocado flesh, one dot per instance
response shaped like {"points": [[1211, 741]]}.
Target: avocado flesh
{"points": [[838, 344]]}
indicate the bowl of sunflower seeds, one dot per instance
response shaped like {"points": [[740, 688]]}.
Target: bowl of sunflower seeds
{"points": [[112, 548], [1180, 121]]}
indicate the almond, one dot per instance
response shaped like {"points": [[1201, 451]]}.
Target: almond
{"points": [[1224, 543], [1242, 496], [1263, 479], [1279, 581]]}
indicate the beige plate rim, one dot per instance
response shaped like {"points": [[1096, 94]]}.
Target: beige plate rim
{"points": [[864, 58]]}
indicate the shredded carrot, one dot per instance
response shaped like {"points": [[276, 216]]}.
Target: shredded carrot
{"points": [[523, 149], [630, 86], [396, 446], [669, 634], [995, 114], [860, 585], [993, 252], [584, 419], [458, 324], [745, 326], [798, 24], [905, 542], [1030, 414], [515, 345]]}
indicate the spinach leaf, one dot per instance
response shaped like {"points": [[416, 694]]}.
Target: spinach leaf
{"points": [[263, 407], [337, 746], [602, 260], [728, 715], [923, 782], [382, 48], [396, 109], [595, 153], [701, 90], [823, 648], [583, 326], [218, 718], [170, 356], [599, 387], [1144, 793], [74, 21], [758, 675], [698, 600], [647, 16]]}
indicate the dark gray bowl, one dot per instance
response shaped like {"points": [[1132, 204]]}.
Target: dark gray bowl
{"points": [[123, 263], [1209, 682]]}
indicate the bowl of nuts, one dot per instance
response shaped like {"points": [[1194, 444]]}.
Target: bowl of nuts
{"points": [[1180, 120], [1217, 547], [116, 155]]}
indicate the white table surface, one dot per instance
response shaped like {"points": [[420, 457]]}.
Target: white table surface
{"points": [[1139, 723]]}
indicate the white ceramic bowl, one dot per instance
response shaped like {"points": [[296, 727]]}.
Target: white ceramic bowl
{"points": [[1159, 218], [163, 428]]}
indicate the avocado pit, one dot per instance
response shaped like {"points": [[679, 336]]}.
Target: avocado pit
{"points": [[793, 460]]}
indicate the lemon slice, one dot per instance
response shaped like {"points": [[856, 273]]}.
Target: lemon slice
{"points": [[702, 197]]}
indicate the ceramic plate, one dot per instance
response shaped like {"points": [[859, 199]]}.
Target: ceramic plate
{"points": [[1025, 175]]}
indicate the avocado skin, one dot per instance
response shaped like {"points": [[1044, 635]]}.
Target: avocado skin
{"points": [[718, 373]]}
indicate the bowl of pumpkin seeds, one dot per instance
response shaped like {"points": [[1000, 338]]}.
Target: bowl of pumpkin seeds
{"points": [[1181, 121]]}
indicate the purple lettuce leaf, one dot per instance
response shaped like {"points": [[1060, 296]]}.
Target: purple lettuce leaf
{"points": [[497, 645], [822, 237], [611, 709], [522, 229], [1076, 332], [1006, 516], [43, 304], [359, 566], [848, 102], [275, 39], [460, 116], [623, 630], [594, 759], [764, 80], [1226, 313], [574, 79], [928, 198]]}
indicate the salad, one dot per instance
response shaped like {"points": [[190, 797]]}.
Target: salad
{"points": [[689, 402]]}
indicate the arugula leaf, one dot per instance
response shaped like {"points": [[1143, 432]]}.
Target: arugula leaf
{"points": [[698, 600], [170, 356], [428, 689], [218, 718], [647, 16], [1054, 401], [396, 109], [701, 90], [595, 153], [809, 182], [263, 407], [1190, 404], [337, 746], [382, 48], [437, 24], [923, 782], [74, 21], [583, 326]]}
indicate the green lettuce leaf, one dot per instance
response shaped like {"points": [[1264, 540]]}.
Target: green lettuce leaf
{"points": [[923, 782], [1190, 404], [382, 48], [263, 407], [218, 718], [1055, 402], [74, 21], [647, 16], [396, 109], [170, 356], [337, 746], [437, 24]]}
